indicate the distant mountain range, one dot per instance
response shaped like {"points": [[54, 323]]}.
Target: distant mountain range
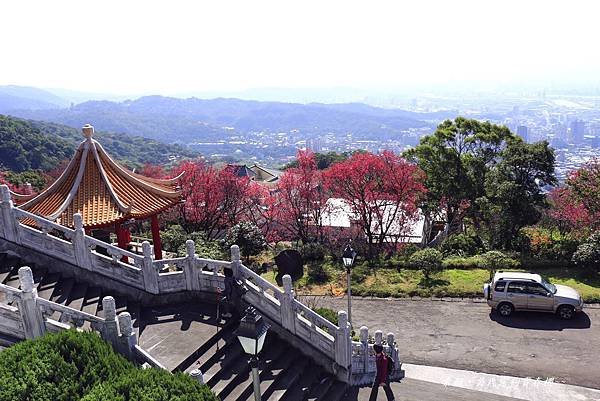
{"points": [[190, 120]]}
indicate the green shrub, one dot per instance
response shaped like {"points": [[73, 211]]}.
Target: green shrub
{"points": [[359, 273], [428, 260], [205, 248], [462, 245], [459, 262], [58, 367], [328, 314], [173, 238], [151, 384], [312, 252], [316, 272], [496, 260], [248, 237], [588, 253]]}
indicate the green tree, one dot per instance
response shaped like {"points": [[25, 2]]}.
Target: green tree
{"points": [[496, 260], [428, 260], [588, 253], [456, 159], [514, 196], [248, 237]]}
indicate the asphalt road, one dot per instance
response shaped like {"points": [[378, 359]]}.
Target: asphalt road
{"points": [[466, 335]]}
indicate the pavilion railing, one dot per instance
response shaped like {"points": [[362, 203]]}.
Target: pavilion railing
{"points": [[189, 273]]}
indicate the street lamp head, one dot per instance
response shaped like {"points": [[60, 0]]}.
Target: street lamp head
{"points": [[348, 256], [252, 332]]}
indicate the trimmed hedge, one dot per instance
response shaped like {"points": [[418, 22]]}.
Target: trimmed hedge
{"points": [[70, 364]]}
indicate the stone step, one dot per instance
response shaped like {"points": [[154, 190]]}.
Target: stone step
{"points": [[319, 388], [48, 285], [283, 384], [272, 378], [269, 371], [336, 392], [6, 271], [208, 350], [239, 372], [77, 295], [311, 377], [63, 290]]}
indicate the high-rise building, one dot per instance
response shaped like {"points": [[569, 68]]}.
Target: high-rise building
{"points": [[577, 131], [523, 132]]}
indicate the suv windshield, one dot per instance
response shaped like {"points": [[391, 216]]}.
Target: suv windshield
{"points": [[549, 286]]}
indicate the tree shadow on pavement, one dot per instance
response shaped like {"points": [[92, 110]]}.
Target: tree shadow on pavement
{"points": [[542, 321]]}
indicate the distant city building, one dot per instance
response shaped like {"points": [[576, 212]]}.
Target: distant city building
{"points": [[314, 144], [577, 131], [523, 132]]}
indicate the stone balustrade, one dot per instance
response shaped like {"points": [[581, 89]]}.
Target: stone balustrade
{"points": [[189, 273], [24, 315]]}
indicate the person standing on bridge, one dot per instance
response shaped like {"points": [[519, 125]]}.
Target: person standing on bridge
{"points": [[382, 379]]}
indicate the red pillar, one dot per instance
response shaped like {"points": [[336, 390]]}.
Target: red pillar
{"points": [[123, 239], [156, 238]]}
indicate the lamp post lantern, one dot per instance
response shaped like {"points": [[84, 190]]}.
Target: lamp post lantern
{"points": [[251, 333], [348, 259]]}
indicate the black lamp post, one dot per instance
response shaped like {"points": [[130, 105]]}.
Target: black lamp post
{"points": [[251, 333], [348, 259]]}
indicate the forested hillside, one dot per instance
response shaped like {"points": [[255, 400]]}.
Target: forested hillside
{"points": [[26, 145], [187, 120]]}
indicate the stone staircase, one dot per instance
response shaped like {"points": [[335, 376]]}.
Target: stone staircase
{"points": [[285, 373], [64, 290]]}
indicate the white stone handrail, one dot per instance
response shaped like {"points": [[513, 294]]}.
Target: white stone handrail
{"points": [[49, 307], [115, 252], [42, 223]]}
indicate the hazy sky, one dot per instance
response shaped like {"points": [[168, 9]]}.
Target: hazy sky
{"points": [[175, 46]]}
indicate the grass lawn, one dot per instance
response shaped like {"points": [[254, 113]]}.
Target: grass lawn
{"points": [[449, 282]]}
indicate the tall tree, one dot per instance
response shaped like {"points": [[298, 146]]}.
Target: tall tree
{"points": [[301, 200], [456, 159], [382, 192], [514, 196]]}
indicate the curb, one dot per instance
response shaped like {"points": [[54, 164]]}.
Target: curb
{"points": [[430, 299]]}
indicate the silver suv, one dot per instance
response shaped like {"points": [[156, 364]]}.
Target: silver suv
{"points": [[514, 291]]}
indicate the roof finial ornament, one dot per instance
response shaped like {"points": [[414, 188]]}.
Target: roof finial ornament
{"points": [[87, 131]]}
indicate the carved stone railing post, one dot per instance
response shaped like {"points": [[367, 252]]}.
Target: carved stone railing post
{"points": [[127, 338], [235, 261], [149, 272], [378, 337], [288, 312], [9, 227], [192, 282], [110, 332], [31, 316], [343, 342], [393, 351], [364, 340], [82, 252]]}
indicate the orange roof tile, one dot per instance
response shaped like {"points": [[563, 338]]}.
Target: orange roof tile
{"points": [[101, 190]]}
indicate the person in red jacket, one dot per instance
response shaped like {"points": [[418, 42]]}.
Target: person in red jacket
{"points": [[382, 379]]}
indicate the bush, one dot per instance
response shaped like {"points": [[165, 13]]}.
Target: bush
{"points": [[62, 366], [205, 248], [151, 384], [328, 314], [248, 237], [316, 272], [459, 262], [359, 273], [70, 364], [173, 238], [496, 260], [429, 260], [312, 252], [546, 244], [588, 253], [462, 245]]}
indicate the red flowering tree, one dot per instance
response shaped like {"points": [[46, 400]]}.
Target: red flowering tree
{"points": [[152, 171], [584, 184], [301, 200], [568, 212], [260, 209], [213, 199], [382, 192]]}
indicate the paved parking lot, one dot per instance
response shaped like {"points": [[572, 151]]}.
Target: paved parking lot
{"points": [[465, 335]]}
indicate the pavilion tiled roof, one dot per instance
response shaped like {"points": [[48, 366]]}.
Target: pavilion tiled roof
{"points": [[101, 190]]}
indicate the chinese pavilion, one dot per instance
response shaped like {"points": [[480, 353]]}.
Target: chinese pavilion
{"points": [[106, 194]]}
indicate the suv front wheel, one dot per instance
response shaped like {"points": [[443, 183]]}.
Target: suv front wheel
{"points": [[505, 309], [565, 312]]}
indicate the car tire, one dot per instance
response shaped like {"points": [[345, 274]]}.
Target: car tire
{"points": [[565, 312], [505, 309]]}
